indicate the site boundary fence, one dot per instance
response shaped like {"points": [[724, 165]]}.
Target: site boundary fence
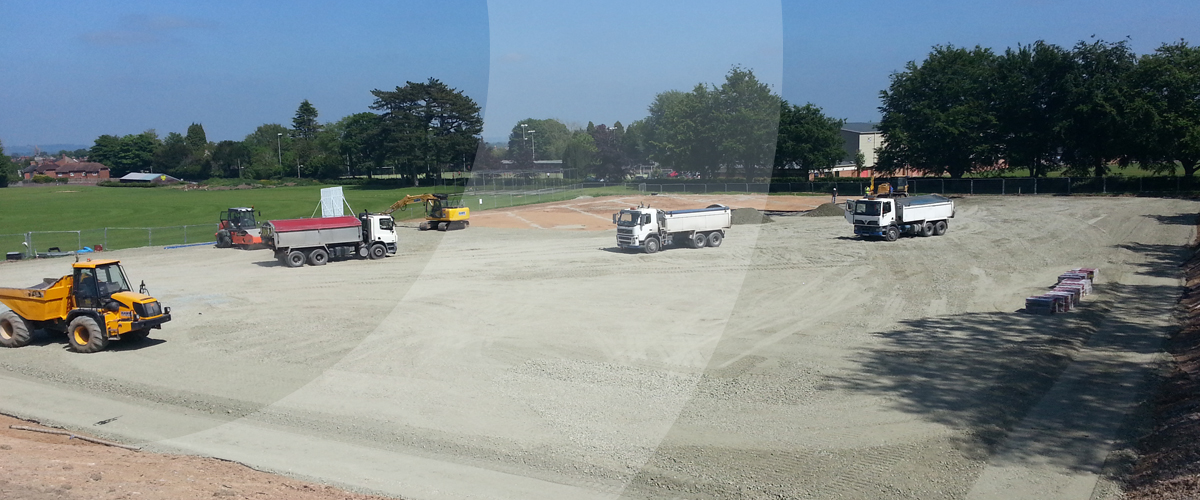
{"points": [[936, 185], [53, 243]]}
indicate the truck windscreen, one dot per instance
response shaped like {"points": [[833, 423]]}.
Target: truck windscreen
{"points": [[627, 219], [867, 208]]}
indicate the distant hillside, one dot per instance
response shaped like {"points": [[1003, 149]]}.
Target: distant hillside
{"points": [[46, 148]]}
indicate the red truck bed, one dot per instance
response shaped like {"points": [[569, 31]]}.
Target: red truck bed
{"points": [[289, 225]]}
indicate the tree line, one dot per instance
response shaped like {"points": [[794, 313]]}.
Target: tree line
{"points": [[738, 129], [1044, 108]]}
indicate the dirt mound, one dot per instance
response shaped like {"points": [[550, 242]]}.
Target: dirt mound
{"points": [[749, 216], [826, 210]]}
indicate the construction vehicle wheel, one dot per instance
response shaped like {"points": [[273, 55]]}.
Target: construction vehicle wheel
{"points": [[378, 251], [136, 334], [698, 240], [363, 251], [295, 258], [318, 257], [651, 245], [714, 239], [927, 229], [85, 335], [891, 234], [224, 240], [939, 228], [14, 330]]}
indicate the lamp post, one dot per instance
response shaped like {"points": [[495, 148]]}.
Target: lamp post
{"points": [[279, 148], [533, 146]]}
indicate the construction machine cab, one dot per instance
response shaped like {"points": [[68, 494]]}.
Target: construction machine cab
{"points": [[96, 282], [238, 219]]}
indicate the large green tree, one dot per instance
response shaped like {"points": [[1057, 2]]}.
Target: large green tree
{"points": [[1030, 105], [270, 149], [229, 158], [808, 140], [715, 130], [549, 136], [305, 131], [122, 155], [429, 128], [1168, 82], [6, 167], [1098, 94], [579, 156], [362, 142], [938, 116]]}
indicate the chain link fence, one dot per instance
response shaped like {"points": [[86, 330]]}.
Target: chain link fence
{"points": [[52, 243]]}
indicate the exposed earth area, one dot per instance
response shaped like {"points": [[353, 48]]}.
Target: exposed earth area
{"points": [[526, 357]]}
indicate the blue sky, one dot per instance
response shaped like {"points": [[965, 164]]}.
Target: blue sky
{"points": [[75, 70]]}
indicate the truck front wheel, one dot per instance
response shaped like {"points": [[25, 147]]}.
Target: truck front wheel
{"points": [[651, 245], [14, 330], [85, 335], [891, 233], [939, 228], [714, 239], [295, 258], [378, 251]]}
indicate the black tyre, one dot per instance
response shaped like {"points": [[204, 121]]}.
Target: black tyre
{"points": [[715, 239], [136, 334], [14, 330], [891, 233], [651, 245], [86, 335], [224, 240], [698, 240], [378, 251], [939, 228], [295, 258], [318, 257], [927, 229]]}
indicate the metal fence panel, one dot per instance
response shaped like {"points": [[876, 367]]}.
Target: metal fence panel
{"points": [[14, 243]]}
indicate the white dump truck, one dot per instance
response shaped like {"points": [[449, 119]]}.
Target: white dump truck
{"points": [[651, 229], [296, 241], [888, 218]]}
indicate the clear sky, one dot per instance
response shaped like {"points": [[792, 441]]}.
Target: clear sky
{"points": [[75, 70]]}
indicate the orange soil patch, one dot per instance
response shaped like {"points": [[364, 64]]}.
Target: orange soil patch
{"points": [[595, 214]]}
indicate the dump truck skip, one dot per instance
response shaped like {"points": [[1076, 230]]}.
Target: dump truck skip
{"points": [[316, 241], [888, 218], [651, 229]]}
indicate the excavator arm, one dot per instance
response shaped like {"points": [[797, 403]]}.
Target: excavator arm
{"points": [[408, 200]]}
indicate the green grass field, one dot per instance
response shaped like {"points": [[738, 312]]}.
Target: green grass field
{"points": [[90, 210]]}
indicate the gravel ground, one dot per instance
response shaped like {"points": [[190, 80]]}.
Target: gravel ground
{"points": [[794, 361]]}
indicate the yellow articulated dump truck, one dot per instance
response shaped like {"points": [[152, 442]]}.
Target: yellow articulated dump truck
{"points": [[93, 305]]}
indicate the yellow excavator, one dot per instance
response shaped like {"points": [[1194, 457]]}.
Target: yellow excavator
{"points": [[887, 190], [440, 213]]}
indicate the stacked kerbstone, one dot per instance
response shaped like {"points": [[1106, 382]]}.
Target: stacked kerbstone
{"points": [[1065, 295]]}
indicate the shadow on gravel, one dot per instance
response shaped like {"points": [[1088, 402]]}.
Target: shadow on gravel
{"points": [[44, 338], [984, 372], [1177, 219]]}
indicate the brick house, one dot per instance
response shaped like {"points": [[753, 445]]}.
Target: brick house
{"points": [[68, 168]]}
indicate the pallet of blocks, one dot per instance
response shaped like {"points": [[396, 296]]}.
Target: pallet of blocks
{"points": [[1065, 295]]}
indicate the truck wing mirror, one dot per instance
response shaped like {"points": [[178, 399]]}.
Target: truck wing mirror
{"points": [[614, 218]]}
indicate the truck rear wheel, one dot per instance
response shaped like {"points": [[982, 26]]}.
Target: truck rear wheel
{"points": [[318, 257], [714, 239], [939, 228], [927, 229], [85, 335], [378, 251], [295, 258], [651, 245], [698, 240], [891, 233], [14, 330]]}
